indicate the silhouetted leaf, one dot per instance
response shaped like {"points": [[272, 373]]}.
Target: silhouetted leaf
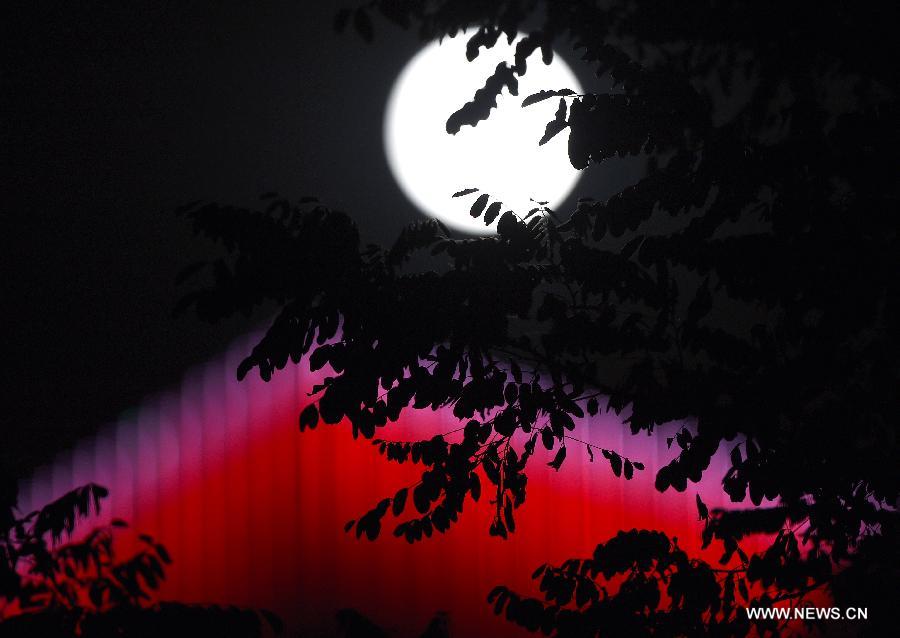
{"points": [[475, 486], [540, 96], [484, 99], [557, 461], [508, 515], [702, 510], [492, 212], [547, 438], [553, 128], [309, 417], [399, 501], [163, 553], [615, 462], [478, 205], [557, 124]]}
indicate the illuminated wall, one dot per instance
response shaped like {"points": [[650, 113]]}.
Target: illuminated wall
{"points": [[253, 511]]}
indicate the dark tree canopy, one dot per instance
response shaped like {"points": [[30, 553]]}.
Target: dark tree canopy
{"points": [[747, 284], [55, 584]]}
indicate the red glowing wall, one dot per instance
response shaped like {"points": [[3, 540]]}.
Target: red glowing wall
{"points": [[253, 511]]}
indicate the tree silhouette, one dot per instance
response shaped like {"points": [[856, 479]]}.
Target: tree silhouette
{"points": [[747, 283], [81, 588]]}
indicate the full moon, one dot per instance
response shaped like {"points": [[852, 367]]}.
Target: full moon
{"points": [[500, 156]]}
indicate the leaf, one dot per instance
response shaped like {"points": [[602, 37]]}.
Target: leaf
{"points": [[498, 529], [421, 499], [319, 358], [508, 515], [593, 406], [163, 553], [585, 592], [495, 592], [491, 213], [478, 205], [373, 529], [464, 191], [547, 438], [702, 510], [628, 470], [511, 393], [309, 418], [475, 486], [557, 461], [552, 130], [557, 124], [615, 462], [736, 455], [561, 421], [516, 371], [485, 99], [399, 501], [540, 96], [98, 492]]}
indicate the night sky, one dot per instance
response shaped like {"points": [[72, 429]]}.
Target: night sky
{"points": [[112, 118]]}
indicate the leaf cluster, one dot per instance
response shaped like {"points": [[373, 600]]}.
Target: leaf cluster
{"points": [[640, 583], [53, 584]]}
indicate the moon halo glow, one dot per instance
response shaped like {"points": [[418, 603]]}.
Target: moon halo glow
{"points": [[499, 156]]}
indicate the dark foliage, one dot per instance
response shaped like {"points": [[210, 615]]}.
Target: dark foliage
{"points": [[640, 583], [747, 282], [353, 624], [81, 588]]}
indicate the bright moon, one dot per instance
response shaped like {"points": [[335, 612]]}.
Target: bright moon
{"points": [[499, 156]]}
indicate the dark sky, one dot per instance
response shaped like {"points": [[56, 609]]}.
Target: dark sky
{"points": [[113, 116]]}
